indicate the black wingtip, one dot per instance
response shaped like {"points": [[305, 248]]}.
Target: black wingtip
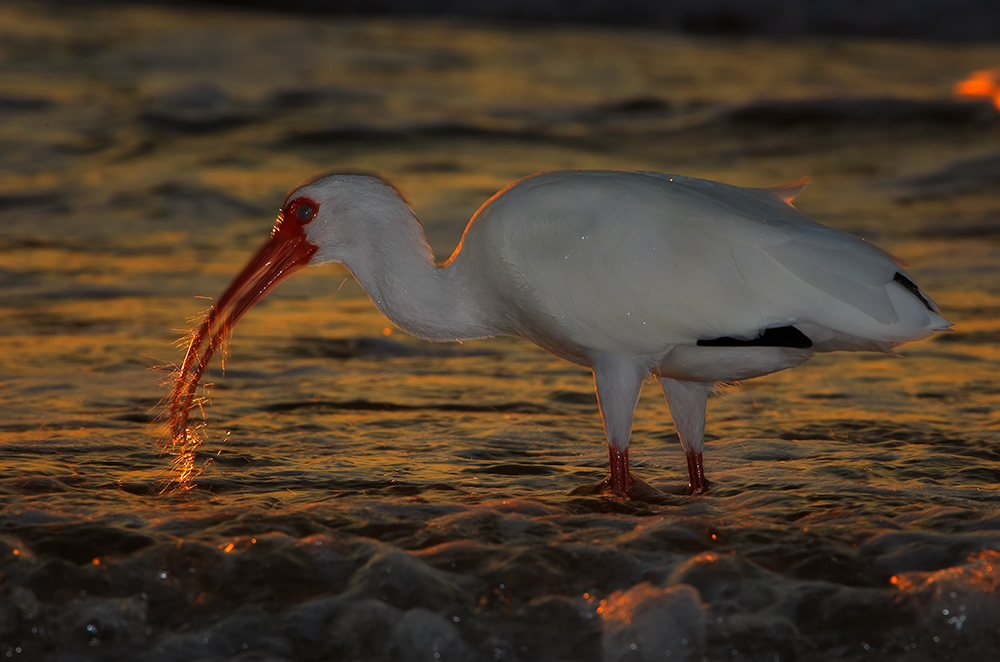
{"points": [[781, 336], [913, 289]]}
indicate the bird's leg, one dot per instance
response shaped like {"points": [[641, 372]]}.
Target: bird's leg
{"points": [[687, 401], [618, 383], [619, 480], [696, 473]]}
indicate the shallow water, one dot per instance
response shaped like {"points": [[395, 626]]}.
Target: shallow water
{"points": [[366, 496]]}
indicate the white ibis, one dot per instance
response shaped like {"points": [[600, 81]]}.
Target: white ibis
{"points": [[631, 274]]}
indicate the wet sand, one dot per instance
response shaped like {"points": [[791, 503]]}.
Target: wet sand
{"points": [[367, 496]]}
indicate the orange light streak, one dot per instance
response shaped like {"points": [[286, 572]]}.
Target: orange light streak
{"points": [[981, 84]]}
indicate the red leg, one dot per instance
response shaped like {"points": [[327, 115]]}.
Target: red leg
{"points": [[620, 479], [696, 474]]}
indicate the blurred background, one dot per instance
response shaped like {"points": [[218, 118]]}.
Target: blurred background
{"points": [[961, 20]]}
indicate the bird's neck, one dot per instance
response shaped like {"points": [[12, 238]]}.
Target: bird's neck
{"points": [[398, 272]]}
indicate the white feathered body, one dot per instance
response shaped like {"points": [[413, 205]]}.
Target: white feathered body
{"points": [[647, 264]]}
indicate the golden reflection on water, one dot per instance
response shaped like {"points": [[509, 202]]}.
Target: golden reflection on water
{"points": [[183, 452], [981, 572], [947, 384], [101, 285]]}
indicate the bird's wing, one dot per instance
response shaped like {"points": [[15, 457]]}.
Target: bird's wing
{"points": [[631, 262], [789, 192]]}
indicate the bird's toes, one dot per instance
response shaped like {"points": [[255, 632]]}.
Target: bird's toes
{"points": [[700, 489], [638, 490], [603, 486]]}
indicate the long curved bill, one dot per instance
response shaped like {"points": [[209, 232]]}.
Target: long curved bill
{"points": [[286, 253]]}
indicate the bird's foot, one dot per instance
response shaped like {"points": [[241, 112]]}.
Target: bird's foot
{"points": [[685, 489], [638, 490], [699, 490], [620, 483]]}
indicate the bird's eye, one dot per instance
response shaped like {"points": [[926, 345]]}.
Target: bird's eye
{"points": [[303, 210]]}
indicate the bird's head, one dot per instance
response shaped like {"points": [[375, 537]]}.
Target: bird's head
{"points": [[341, 215], [320, 221]]}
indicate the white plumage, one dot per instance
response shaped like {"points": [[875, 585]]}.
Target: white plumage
{"points": [[631, 274]]}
